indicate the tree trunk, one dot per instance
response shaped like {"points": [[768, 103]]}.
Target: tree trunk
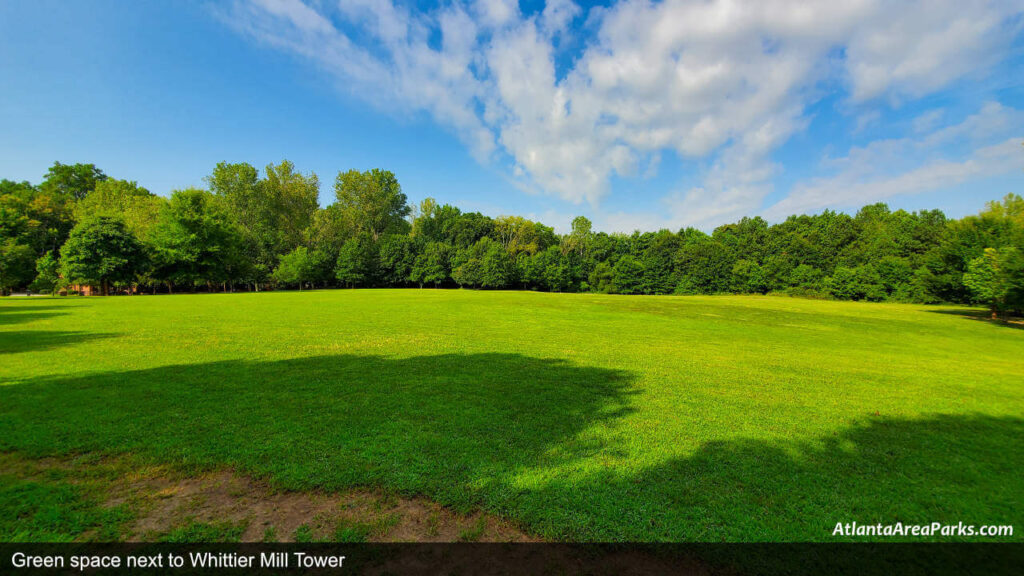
{"points": [[106, 288]]}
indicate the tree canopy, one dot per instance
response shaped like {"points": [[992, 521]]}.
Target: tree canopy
{"points": [[79, 226], [372, 201], [101, 250]]}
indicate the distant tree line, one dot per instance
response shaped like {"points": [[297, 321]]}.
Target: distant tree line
{"points": [[252, 232]]}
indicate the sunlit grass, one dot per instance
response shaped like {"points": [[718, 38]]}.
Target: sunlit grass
{"points": [[577, 416]]}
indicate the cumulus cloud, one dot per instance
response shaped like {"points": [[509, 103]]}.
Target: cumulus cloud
{"points": [[726, 81], [991, 140]]}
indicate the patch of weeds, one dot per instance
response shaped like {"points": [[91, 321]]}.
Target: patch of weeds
{"points": [[348, 531], [383, 524], [387, 501], [433, 524], [361, 531], [475, 532], [303, 534], [196, 502], [194, 531], [269, 535], [239, 491]]}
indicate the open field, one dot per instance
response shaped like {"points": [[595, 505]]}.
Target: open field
{"points": [[578, 417]]}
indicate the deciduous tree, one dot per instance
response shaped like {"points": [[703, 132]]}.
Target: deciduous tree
{"points": [[74, 180], [16, 265], [372, 201], [100, 251]]}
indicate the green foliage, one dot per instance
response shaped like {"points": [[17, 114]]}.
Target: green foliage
{"points": [[996, 279], [47, 274], [16, 265], [255, 227], [602, 279], [435, 223], [297, 267], [101, 251], [521, 236], [548, 269], [806, 277], [894, 273], [629, 276], [357, 262], [372, 201], [468, 229], [582, 236], [34, 217], [294, 200], [705, 267], [72, 180], [1009, 210], [860, 283], [485, 264], [137, 207], [659, 275], [749, 278], [196, 241], [397, 257], [274, 214], [432, 265]]}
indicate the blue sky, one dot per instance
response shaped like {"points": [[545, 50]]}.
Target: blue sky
{"points": [[636, 114]]}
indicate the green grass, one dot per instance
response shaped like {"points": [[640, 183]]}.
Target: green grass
{"points": [[580, 417], [55, 511]]}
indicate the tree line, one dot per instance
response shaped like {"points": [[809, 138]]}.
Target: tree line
{"points": [[247, 231]]}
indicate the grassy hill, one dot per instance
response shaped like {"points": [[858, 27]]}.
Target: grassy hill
{"points": [[579, 417]]}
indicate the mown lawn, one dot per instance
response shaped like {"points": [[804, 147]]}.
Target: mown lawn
{"points": [[579, 417]]}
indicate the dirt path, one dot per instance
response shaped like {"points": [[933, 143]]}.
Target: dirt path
{"points": [[166, 503]]}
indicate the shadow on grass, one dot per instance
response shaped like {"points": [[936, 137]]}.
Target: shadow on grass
{"points": [[511, 434], [21, 313], [944, 468], [453, 426], [36, 340], [1014, 322]]}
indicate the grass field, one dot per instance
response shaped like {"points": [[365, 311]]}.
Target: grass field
{"points": [[578, 417]]}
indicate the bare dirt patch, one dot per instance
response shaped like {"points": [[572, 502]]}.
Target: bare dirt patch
{"points": [[164, 500]]}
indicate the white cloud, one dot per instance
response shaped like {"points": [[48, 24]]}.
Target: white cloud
{"points": [[885, 168], [724, 80], [928, 120], [908, 49]]}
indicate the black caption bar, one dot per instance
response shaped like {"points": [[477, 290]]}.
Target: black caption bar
{"points": [[499, 559]]}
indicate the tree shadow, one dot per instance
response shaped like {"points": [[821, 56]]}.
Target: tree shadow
{"points": [[450, 426], [510, 434], [37, 340], [21, 313], [943, 468], [1014, 322]]}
